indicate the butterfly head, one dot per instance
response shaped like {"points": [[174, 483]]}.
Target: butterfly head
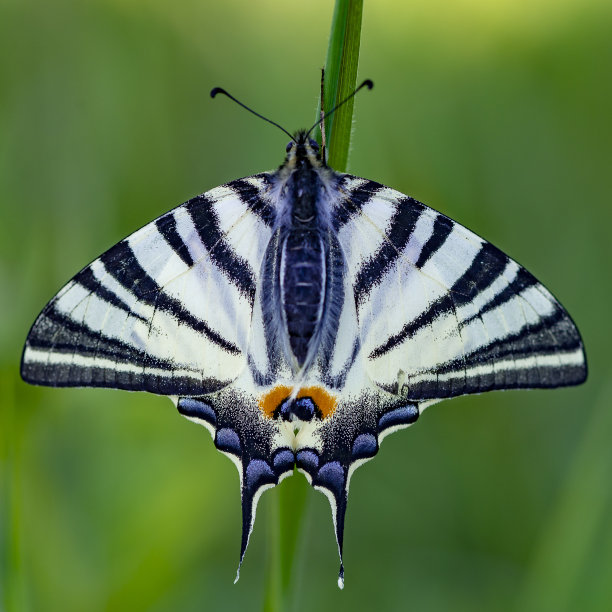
{"points": [[303, 150]]}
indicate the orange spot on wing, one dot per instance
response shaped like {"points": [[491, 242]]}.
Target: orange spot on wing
{"points": [[271, 400], [325, 401]]}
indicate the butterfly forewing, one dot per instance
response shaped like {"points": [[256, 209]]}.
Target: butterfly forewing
{"points": [[166, 310], [443, 312]]}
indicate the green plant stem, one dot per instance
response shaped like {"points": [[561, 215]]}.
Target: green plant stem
{"points": [[341, 79], [288, 506], [285, 529], [274, 580]]}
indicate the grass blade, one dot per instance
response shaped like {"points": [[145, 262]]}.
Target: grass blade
{"points": [[341, 78]]}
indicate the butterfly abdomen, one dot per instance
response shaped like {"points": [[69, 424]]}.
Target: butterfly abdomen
{"points": [[302, 278]]}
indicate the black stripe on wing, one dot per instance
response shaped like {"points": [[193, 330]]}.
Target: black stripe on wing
{"points": [[486, 267], [407, 213], [122, 264], [65, 343], [59, 333], [471, 380], [442, 229], [251, 195], [554, 334], [353, 200], [88, 280], [166, 226], [237, 270], [522, 281]]}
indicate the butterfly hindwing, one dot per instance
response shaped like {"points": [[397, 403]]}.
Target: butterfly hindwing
{"points": [[347, 440], [441, 311], [240, 431], [166, 310]]}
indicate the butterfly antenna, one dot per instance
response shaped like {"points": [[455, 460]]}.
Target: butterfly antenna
{"points": [[219, 90], [367, 83], [322, 117]]}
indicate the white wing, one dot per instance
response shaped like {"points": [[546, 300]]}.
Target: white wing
{"points": [[166, 310], [441, 311]]}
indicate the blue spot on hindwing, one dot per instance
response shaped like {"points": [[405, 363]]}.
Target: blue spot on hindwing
{"points": [[364, 446], [258, 473], [227, 440], [400, 416], [308, 461], [331, 476], [197, 409], [283, 461]]}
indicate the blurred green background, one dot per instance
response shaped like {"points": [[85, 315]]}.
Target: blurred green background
{"points": [[495, 113]]}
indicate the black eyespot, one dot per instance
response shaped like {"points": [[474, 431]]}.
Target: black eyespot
{"points": [[314, 145], [289, 146]]}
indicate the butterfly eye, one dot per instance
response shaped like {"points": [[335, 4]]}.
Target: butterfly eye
{"points": [[314, 145], [289, 146]]}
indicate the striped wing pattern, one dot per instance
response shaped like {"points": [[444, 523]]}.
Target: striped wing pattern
{"points": [[443, 312], [166, 310]]}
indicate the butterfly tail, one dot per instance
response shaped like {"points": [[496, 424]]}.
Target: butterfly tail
{"points": [[332, 480]]}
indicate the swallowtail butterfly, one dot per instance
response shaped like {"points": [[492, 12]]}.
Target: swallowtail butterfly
{"points": [[301, 315]]}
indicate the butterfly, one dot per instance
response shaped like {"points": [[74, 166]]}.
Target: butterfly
{"points": [[302, 315]]}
